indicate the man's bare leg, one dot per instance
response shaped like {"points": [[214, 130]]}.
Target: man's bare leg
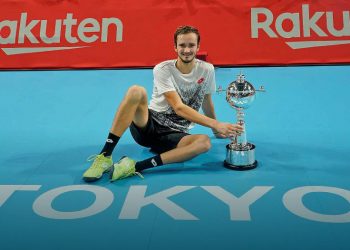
{"points": [[189, 147], [132, 108]]}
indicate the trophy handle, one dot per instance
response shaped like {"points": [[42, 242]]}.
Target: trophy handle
{"points": [[261, 89], [220, 89]]}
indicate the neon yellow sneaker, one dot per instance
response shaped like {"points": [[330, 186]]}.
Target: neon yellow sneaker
{"points": [[100, 165], [125, 167]]}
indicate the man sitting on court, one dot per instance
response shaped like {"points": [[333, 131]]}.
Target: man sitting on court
{"points": [[181, 87]]}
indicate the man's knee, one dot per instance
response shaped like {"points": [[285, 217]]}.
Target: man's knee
{"points": [[136, 94], [203, 143]]}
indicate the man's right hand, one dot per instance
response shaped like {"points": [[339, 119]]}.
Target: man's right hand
{"points": [[225, 130]]}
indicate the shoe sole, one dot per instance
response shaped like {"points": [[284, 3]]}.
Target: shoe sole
{"points": [[111, 174], [92, 179]]}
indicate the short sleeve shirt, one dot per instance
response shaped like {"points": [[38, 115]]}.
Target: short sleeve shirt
{"points": [[191, 88]]}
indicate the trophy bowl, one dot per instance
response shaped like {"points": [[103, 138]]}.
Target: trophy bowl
{"points": [[240, 95]]}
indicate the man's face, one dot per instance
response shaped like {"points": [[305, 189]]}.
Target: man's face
{"points": [[187, 47]]}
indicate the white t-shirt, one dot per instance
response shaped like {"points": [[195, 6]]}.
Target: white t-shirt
{"points": [[191, 88]]}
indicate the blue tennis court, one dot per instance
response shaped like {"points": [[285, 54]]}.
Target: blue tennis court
{"points": [[297, 198]]}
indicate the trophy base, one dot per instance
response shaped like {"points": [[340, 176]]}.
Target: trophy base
{"points": [[240, 158], [240, 168]]}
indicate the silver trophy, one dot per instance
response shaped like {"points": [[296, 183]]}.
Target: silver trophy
{"points": [[240, 154]]}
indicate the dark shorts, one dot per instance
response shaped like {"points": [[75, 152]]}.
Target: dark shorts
{"points": [[155, 136]]}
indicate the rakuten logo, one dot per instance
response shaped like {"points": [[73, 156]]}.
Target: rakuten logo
{"points": [[88, 31], [306, 23]]}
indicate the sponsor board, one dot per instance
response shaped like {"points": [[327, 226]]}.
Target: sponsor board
{"points": [[66, 34]]}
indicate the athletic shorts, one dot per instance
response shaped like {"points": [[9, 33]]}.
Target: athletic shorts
{"points": [[156, 136]]}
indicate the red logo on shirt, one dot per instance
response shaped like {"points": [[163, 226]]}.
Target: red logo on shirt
{"points": [[200, 80]]}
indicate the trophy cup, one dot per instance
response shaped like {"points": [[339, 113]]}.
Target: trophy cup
{"points": [[240, 154]]}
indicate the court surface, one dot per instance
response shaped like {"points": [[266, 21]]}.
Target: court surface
{"points": [[297, 198]]}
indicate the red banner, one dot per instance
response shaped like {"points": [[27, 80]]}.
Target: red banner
{"points": [[111, 33]]}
